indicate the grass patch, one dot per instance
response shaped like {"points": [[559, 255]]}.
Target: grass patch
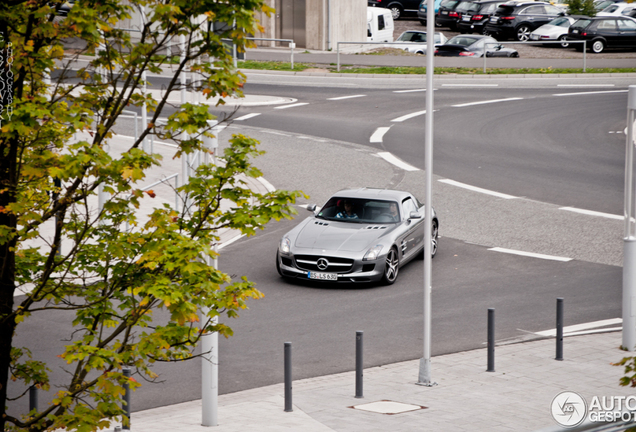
{"points": [[411, 70], [272, 65]]}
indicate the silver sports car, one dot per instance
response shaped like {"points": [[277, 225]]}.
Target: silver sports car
{"points": [[359, 235]]}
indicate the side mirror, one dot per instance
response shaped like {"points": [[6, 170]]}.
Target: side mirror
{"points": [[415, 215], [311, 207]]}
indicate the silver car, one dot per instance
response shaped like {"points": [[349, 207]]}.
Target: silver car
{"points": [[359, 235], [555, 30]]}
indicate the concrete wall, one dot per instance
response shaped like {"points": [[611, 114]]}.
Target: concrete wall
{"points": [[348, 23]]}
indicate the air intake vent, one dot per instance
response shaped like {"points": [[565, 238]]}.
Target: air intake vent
{"points": [[321, 223], [375, 227]]}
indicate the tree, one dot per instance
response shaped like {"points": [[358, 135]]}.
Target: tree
{"points": [[107, 264], [581, 7]]}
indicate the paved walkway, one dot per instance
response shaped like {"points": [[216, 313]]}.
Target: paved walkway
{"points": [[516, 397]]}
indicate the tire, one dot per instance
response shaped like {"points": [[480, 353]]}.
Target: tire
{"points": [[423, 23], [598, 46], [391, 268], [486, 32], [514, 55], [434, 236], [523, 33], [564, 43], [396, 12]]}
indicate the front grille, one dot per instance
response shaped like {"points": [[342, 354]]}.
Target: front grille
{"points": [[335, 264]]}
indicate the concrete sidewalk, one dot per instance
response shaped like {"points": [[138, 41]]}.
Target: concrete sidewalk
{"points": [[517, 397]]}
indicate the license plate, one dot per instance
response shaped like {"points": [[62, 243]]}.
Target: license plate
{"points": [[493, 19], [534, 37], [444, 12], [323, 276], [575, 31], [465, 18]]}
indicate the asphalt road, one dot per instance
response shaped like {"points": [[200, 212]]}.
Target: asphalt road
{"points": [[545, 150]]}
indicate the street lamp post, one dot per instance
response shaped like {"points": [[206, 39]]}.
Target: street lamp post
{"points": [[629, 242], [424, 377]]}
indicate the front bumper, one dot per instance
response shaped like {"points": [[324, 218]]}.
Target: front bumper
{"points": [[359, 272]]}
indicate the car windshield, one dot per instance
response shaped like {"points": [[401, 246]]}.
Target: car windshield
{"points": [[466, 6], [610, 8], [462, 40], [580, 24], [411, 36], [449, 3], [358, 210], [560, 22]]}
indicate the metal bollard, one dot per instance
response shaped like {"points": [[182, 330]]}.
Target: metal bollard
{"points": [[126, 406], [288, 378], [359, 364], [33, 398], [491, 340], [559, 329]]}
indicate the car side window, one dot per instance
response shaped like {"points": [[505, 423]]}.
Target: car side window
{"points": [[627, 25], [381, 22], [607, 25], [552, 10], [408, 206], [533, 10]]}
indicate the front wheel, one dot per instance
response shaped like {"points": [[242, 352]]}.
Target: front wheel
{"points": [[391, 267], [434, 235], [396, 12], [598, 46], [564, 41], [523, 33]]}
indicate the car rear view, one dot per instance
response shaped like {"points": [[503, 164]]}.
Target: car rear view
{"points": [[477, 16], [446, 16]]}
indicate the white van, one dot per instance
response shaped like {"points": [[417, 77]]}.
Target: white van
{"points": [[379, 25]]}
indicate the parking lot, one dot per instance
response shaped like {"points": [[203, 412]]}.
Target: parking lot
{"points": [[526, 50]]}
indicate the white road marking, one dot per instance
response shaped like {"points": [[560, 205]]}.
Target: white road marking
{"points": [[247, 116], [292, 105], [377, 136], [409, 91], [585, 85], [530, 254], [470, 85], [584, 326], [346, 97], [477, 189], [229, 242], [397, 162], [590, 93], [408, 116], [486, 102], [593, 213], [275, 133]]}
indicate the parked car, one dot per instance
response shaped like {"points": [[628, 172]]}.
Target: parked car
{"points": [[379, 25], [617, 9], [561, 4], [604, 32], [398, 8], [477, 14], [474, 46], [555, 30], [599, 5], [415, 41], [359, 235], [518, 20], [423, 11], [446, 16], [65, 8]]}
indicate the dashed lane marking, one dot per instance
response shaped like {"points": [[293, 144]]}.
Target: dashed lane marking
{"points": [[408, 116], [530, 254], [476, 189], [590, 93], [247, 116], [397, 162], [292, 105], [409, 91], [346, 97], [470, 85], [378, 135], [486, 102]]}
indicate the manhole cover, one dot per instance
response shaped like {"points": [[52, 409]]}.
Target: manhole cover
{"points": [[388, 407]]}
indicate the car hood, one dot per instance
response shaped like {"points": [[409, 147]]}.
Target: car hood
{"points": [[340, 236]]}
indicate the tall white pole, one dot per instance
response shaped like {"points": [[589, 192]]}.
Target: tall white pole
{"points": [[629, 242], [424, 377]]}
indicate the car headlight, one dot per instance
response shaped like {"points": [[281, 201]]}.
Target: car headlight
{"points": [[373, 253], [285, 245]]}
